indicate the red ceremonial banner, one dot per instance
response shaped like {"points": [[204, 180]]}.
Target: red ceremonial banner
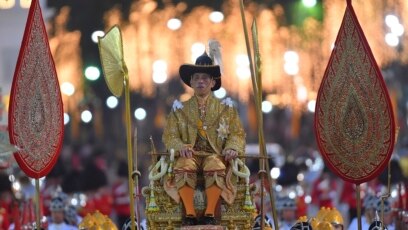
{"points": [[36, 112], [354, 121]]}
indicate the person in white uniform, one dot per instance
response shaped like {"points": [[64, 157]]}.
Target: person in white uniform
{"points": [[57, 220]]}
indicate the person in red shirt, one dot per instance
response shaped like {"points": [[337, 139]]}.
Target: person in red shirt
{"points": [[95, 186], [348, 196], [324, 190]]}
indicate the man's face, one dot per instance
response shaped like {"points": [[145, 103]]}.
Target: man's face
{"points": [[57, 216], [202, 84], [289, 215]]}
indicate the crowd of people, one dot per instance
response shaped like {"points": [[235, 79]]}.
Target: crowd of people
{"points": [[84, 182], [66, 209]]}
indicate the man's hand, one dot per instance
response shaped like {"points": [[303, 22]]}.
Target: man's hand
{"points": [[230, 154], [187, 151]]}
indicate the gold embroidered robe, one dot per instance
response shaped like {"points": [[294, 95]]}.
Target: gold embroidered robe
{"points": [[223, 131]]}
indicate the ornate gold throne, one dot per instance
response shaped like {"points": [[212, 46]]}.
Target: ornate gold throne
{"points": [[164, 213]]}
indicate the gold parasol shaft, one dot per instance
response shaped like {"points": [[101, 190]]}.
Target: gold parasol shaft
{"points": [[135, 177], [129, 152]]}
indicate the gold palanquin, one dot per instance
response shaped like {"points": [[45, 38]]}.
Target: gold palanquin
{"points": [[168, 214]]}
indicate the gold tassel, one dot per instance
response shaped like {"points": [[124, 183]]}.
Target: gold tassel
{"points": [[170, 171], [152, 201], [248, 203]]}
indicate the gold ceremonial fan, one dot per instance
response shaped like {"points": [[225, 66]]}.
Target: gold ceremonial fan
{"points": [[113, 63], [117, 78]]}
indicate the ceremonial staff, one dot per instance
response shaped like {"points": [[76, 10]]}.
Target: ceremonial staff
{"points": [[117, 78], [257, 87], [135, 176], [387, 193]]}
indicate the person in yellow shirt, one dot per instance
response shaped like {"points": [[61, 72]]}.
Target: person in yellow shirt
{"points": [[207, 133]]}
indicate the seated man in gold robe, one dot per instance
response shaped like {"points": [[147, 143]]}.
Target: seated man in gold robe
{"points": [[207, 134]]}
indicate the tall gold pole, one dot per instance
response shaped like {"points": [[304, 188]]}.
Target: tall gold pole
{"points": [[387, 194], [262, 171], [258, 95], [129, 152], [135, 177], [257, 87]]}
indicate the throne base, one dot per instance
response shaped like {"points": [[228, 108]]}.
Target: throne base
{"points": [[202, 227]]}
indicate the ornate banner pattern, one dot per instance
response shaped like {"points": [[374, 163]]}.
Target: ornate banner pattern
{"points": [[36, 111], [354, 122]]}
